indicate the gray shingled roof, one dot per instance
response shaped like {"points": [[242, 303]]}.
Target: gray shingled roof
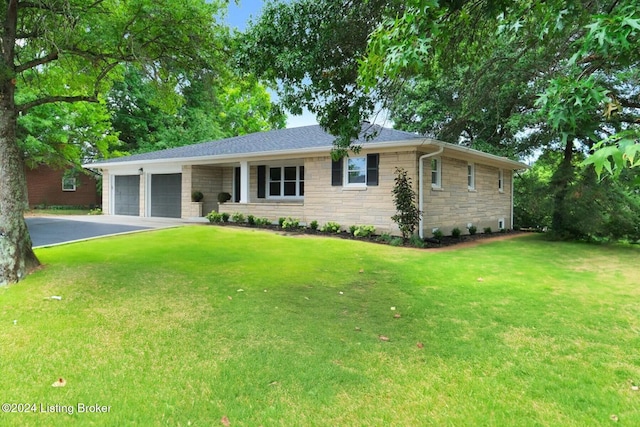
{"points": [[261, 142]]}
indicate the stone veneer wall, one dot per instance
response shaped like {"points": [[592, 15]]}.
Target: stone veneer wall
{"points": [[106, 192], [454, 205], [208, 180]]}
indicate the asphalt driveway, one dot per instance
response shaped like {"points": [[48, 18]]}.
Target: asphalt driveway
{"points": [[53, 230]]}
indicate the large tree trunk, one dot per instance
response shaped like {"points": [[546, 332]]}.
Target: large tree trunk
{"points": [[560, 184], [16, 255]]}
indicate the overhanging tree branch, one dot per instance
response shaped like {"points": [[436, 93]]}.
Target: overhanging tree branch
{"points": [[54, 99], [36, 62]]}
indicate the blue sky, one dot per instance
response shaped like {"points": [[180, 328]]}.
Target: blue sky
{"points": [[237, 17]]}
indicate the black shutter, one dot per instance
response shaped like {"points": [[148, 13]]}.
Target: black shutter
{"points": [[262, 182], [336, 173], [372, 169], [236, 189]]}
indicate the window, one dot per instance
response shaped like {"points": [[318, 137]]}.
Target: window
{"points": [[356, 171], [69, 183], [286, 181], [500, 181], [436, 173], [471, 176]]}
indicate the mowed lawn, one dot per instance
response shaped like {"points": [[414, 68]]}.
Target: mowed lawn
{"points": [[207, 326]]}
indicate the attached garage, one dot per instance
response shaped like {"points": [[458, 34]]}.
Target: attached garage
{"points": [[166, 195], [127, 195]]}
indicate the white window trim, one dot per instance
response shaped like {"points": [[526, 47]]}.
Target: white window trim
{"points": [[345, 177], [282, 181], [501, 180], [471, 176], [438, 184], [74, 183]]}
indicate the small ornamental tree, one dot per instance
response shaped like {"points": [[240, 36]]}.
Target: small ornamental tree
{"points": [[404, 197]]}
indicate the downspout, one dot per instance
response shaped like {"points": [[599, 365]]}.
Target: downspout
{"points": [[512, 193], [421, 185]]}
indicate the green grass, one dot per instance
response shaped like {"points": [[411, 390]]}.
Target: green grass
{"points": [[59, 211], [187, 325]]}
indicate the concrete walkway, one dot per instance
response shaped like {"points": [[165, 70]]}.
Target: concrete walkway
{"points": [[55, 230]]}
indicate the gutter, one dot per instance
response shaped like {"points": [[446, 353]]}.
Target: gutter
{"points": [[420, 187]]}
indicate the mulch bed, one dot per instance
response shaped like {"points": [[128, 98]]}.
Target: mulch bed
{"points": [[444, 243]]}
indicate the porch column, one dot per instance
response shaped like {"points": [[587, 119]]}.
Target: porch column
{"points": [[244, 182]]}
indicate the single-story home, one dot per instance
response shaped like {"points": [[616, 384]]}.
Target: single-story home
{"points": [[63, 186], [290, 173]]}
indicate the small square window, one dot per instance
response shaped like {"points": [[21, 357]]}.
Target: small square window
{"points": [[68, 184]]}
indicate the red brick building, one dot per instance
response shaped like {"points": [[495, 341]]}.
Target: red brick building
{"points": [[50, 187]]}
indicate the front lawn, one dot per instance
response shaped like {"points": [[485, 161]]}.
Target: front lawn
{"points": [[207, 326]]}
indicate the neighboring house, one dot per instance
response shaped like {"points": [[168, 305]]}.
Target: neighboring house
{"points": [[290, 173], [47, 186]]}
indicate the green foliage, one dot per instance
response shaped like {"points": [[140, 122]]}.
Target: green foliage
{"points": [[223, 197], [290, 224], [363, 230], [396, 241], [473, 230], [262, 222], [281, 221], [310, 51], [487, 230], [385, 238], [438, 234], [237, 217], [331, 227], [197, 196], [251, 220], [416, 241], [313, 225], [455, 233], [214, 217], [225, 217], [404, 199]]}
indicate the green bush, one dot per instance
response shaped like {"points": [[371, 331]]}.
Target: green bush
{"points": [[281, 220], [404, 198], [364, 230], [214, 217], [487, 230], [251, 220], [438, 234], [416, 241], [473, 230], [455, 233], [197, 196], [223, 197], [225, 217], [385, 238], [396, 241], [313, 225], [261, 222], [290, 224], [237, 217], [331, 227]]}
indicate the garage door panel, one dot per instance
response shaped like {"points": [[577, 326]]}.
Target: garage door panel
{"points": [[127, 195], [166, 195]]}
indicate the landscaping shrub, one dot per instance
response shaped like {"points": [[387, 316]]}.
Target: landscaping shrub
{"points": [[455, 233], [261, 222], [214, 217], [290, 224], [223, 197], [364, 230], [197, 196], [385, 238], [281, 220], [473, 230], [331, 227], [438, 234], [352, 229], [404, 198], [396, 241], [487, 230], [237, 217], [225, 217], [251, 220], [313, 225], [416, 241]]}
